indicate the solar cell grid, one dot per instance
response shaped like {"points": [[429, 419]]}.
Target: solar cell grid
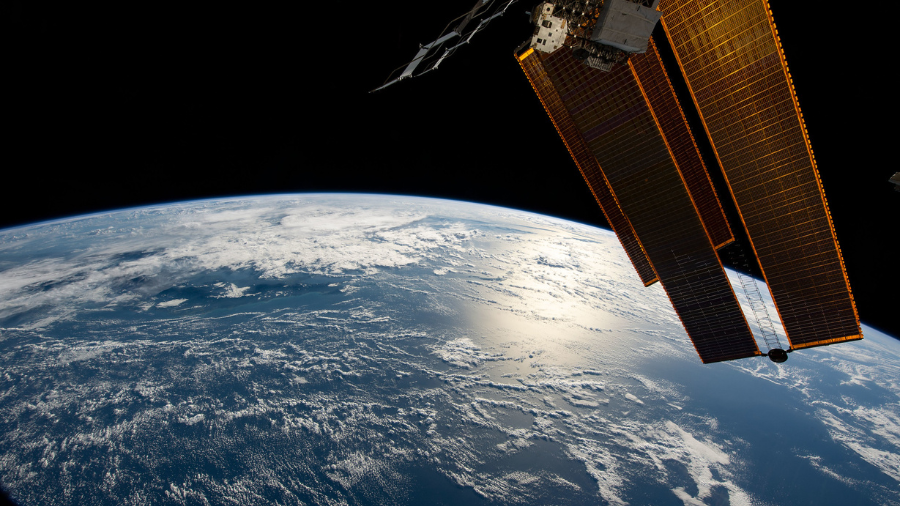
{"points": [[733, 64], [659, 92], [625, 138], [587, 164]]}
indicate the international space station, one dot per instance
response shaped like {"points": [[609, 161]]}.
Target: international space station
{"points": [[597, 71]]}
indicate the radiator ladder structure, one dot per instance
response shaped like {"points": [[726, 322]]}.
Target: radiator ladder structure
{"points": [[756, 302]]}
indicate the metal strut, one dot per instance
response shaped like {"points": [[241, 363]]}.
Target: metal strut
{"points": [[427, 59]]}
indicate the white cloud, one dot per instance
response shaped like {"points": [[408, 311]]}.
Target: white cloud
{"points": [[171, 303], [233, 291], [548, 334]]}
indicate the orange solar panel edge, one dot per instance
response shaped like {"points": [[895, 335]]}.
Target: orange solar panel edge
{"points": [[650, 282], [601, 190], [825, 342]]}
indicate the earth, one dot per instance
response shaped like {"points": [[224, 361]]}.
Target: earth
{"points": [[359, 349]]}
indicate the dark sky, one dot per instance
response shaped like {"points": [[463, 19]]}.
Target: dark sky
{"points": [[131, 103]]}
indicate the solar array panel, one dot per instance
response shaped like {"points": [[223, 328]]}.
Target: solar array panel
{"points": [[731, 58], [659, 93], [530, 62], [614, 120]]}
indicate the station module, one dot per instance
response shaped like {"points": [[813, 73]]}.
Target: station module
{"points": [[601, 80]]}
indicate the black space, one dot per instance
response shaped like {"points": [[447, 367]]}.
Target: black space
{"points": [[133, 103]]}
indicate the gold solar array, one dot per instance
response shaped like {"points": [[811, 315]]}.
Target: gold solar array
{"points": [[659, 93], [613, 118], [531, 63], [731, 58]]}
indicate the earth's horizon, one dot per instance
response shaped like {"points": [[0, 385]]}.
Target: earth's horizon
{"points": [[369, 349]]}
